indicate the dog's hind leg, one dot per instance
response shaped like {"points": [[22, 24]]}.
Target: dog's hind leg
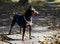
{"points": [[13, 23]]}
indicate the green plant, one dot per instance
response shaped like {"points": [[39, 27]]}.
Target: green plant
{"points": [[4, 37]]}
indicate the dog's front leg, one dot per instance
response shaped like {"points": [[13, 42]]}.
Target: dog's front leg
{"points": [[30, 32], [23, 33], [20, 29]]}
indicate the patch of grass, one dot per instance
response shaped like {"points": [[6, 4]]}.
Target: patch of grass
{"points": [[4, 37]]}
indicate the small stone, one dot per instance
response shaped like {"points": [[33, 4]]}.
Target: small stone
{"points": [[39, 41]]}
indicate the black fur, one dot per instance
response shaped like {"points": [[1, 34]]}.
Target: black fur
{"points": [[19, 19]]}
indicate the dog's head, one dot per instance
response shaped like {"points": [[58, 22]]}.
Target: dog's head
{"points": [[31, 11], [34, 12]]}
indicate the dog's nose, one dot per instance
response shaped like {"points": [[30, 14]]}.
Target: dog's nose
{"points": [[36, 12]]}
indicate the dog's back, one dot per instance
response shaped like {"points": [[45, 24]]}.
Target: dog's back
{"points": [[19, 19]]}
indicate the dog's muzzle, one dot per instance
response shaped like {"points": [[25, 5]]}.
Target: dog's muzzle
{"points": [[34, 10]]}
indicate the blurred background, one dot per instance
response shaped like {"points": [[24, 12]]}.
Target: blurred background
{"points": [[48, 10], [44, 24]]}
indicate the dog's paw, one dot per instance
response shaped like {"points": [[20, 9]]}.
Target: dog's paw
{"points": [[9, 33], [30, 38], [22, 39]]}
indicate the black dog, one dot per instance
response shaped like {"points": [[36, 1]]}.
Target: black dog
{"points": [[22, 20]]}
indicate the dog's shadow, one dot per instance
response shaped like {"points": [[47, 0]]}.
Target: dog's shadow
{"points": [[4, 37]]}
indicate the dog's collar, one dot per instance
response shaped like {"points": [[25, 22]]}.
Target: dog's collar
{"points": [[27, 20]]}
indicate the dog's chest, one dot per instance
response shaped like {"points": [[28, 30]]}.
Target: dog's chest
{"points": [[20, 20]]}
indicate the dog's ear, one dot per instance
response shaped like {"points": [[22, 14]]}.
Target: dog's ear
{"points": [[30, 7]]}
